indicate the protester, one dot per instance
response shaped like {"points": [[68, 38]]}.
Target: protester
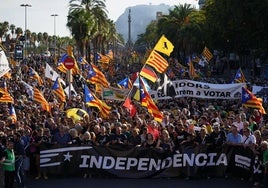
{"points": [[188, 123], [149, 141], [8, 161], [264, 146], [218, 136], [248, 138], [165, 143], [19, 155], [234, 137]]}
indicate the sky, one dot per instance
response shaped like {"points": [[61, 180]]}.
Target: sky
{"points": [[39, 17]]}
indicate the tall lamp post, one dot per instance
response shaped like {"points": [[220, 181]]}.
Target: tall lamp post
{"points": [[54, 15], [25, 35]]}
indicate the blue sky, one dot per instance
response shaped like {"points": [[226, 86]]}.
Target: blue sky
{"points": [[39, 17]]}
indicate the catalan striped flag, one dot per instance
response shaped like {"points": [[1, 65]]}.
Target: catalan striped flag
{"points": [[156, 61], [36, 76], [92, 100], [38, 97], [148, 73], [95, 76], [148, 102], [251, 101], [207, 54], [58, 90], [5, 96], [61, 67], [152, 108], [141, 94], [7, 75], [102, 58]]}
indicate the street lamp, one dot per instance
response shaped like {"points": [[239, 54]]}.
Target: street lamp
{"points": [[54, 15], [25, 36]]}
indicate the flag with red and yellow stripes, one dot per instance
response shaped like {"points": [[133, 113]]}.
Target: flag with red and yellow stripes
{"points": [[38, 97], [156, 61]]}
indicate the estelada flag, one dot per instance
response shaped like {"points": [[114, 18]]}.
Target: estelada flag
{"points": [[164, 46], [38, 97], [251, 101], [58, 90]]}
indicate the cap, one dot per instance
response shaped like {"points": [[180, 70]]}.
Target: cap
{"points": [[234, 125], [216, 124], [211, 107]]}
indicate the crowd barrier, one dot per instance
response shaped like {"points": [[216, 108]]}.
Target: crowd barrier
{"points": [[139, 162]]}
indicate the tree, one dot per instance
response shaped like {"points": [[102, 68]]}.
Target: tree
{"points": [[18, 32], [33, 40], [236, 26], [78, 24], [183, 26], [88, 22], [45, 39], [12, 29], [40, 37], [3, 29]]}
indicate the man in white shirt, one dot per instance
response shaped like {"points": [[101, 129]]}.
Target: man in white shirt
{"points": [[248, 138]]}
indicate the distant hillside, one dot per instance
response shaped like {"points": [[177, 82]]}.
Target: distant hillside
{"points": [[141, 16]]}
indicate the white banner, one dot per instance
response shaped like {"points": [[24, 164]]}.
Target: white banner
{"points": [[189, 88], [4, 66]]}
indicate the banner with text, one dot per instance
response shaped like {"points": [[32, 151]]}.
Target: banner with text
{"points": [[139, 162], [190, 88]]}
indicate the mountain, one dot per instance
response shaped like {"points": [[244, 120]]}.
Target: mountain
{"points": [[141, 16]]}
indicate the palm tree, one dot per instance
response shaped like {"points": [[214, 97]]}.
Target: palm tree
{"points": [[88, 21], [39, 38], [79, 26], [45, 39], [50, 41], [3, 29], [33, 40], [18, 32], [180, 26], [12, 29]]}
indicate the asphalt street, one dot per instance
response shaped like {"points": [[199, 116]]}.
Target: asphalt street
{"points": [[137, 183]]}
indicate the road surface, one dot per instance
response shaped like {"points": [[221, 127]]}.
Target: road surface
{"points": [[137, 183]]}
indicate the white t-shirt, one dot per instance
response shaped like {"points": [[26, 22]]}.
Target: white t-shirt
{"points": [[240, 125], [248, 140]]}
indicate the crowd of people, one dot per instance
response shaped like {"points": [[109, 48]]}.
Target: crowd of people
{"points": [[186, 121]]}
